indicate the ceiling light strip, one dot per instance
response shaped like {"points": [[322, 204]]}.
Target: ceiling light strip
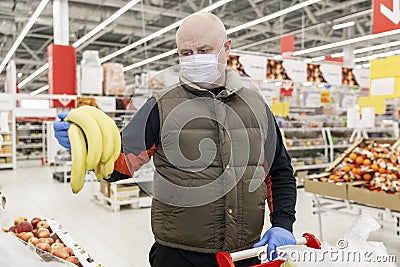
{"points": [[232, 30], [33, 75], [149, 60], [40, 90], [23, 33], [346, 42], [105, 23], [86, 37], [375, 56], [159, 32], [343, 25], [272, 16]]}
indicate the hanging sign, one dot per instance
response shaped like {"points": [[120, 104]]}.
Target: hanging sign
{"points": [[386, 15], [296, 70], [331, 73]]}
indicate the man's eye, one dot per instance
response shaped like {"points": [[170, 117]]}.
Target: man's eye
{"points": [[203, 51], [186, 53]]}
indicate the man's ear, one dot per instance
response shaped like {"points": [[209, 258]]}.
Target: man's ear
{"points": [[227, 46]]}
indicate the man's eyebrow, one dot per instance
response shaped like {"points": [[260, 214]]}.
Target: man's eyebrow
{"points": [[204, 46]]}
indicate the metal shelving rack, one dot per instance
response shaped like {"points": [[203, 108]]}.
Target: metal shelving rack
{"points": [[8, 151]]}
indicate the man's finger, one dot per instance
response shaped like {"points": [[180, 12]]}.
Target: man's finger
{"points": [[61, 126]]}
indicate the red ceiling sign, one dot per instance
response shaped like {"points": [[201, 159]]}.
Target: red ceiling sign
{"points": [[386, 15], [287, 45]]}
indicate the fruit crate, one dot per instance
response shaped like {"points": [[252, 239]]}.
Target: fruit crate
{"points": [[350, 182]]}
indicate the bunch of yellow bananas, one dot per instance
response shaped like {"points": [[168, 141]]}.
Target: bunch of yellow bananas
{"points": [[101, 148]]}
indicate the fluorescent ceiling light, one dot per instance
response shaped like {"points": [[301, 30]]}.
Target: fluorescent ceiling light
{"points": [[315, 59], [33, 75], [341, 54], [23, 33], [19, 75], [346, 42], [105, 23], [159, 32], [376, 47], [278, 57], [149, 60], [272, 16], [307, 60], [232, 30], [375, 56], [343, 25], [40, 90], [86, 37]]}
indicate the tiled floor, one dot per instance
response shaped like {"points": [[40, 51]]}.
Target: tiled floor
{"points": [[123, 238]]}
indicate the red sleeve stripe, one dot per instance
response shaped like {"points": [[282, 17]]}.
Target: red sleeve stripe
{"points": [[127, 164]]}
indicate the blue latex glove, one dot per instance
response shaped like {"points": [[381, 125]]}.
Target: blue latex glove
{"points": [[61, 131], [275, 237]]}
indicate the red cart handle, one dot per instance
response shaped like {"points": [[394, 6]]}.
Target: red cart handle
{"points": [[226, 259]]}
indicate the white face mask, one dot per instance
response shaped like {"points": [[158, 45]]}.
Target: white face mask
{"points": [[202, 68]]}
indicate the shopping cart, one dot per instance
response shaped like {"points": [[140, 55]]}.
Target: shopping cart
{"points": [[226, 259]]}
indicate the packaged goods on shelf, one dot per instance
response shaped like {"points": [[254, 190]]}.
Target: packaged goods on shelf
{"points": [[114, 80]]}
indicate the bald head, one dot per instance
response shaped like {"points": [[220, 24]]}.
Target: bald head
{"points": [[200, 24]]}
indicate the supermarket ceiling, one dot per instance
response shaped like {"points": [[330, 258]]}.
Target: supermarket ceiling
{"points": [[312, 26]]}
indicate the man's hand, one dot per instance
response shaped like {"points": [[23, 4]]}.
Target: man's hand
{"points": [[275, 237], [61, 131]]}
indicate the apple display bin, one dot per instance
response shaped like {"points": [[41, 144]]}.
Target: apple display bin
{"points": [[226, 259], [84, 257]]}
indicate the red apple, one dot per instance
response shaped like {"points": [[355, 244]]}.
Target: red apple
{"points": [[60, 253], [33, 240], [57, 245], [69, 250], [24, 227], [3, 229], [73, 259], [35, 221], [35, 232], [43, 246], [47, 240], [42, 224], [12, 229], [19, 219], [43, 233], [25, 236]]}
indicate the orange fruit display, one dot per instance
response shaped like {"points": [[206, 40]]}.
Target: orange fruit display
{"points": [[374, 167], [359, 160], [367, 162], [367, 177], [346, 168], [353, 156]]}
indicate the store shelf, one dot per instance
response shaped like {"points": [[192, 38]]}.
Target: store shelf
{"points": [[6, 166], [29, 146], [29, 157], [5, 132], [7, 143], [314, 166], [31, 128], [305, 148], [31, 137], [341, 146], [6, 155]]}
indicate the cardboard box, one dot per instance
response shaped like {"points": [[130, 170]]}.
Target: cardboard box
{"points": [[126, 192], [105, 188], [314, 185], [359, 194]]}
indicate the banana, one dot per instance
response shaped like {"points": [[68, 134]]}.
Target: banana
{"points": [[97, 172], [93, 135], [78, 154], [106, 131], [108, 168], [109, 127]]}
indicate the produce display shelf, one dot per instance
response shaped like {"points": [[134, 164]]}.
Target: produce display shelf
{"points": [[5, 155], [294, 148], [30, 136], [29, 157], [315, 166], [30, 146], [30, 128], [341, 146], [6, 165], [301, 129]]}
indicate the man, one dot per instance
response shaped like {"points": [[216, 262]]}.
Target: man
{"points": [[218, 155]]}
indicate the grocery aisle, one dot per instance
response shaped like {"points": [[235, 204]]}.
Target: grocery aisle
{"points": [[123, 239]]}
